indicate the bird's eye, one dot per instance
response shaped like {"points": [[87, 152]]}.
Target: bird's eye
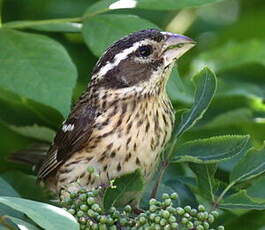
{"points": [[145, 51]]}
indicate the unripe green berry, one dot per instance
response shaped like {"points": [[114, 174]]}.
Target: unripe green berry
{"points": [[152, 208], [157, 219], [206, 225], [165, 214], [96, 208], [82, 197], [90, 170], [71, 211], [123, 221], [167, 227], [220, 227], [165, 196], [103, 227], [199, 227], [163, 222], [187, 208], [189, 225], [91, 213], [152, 202], [80, 213], [215, 213], [82, 220], [193, 212], [174, 225], [174, 196], [128, 208], [90, 200], [184, 220], [142, 220], [201, 208], [172, 219], [152, 216], [167, 202], [180, 211], [84, 207], [210, 218]]}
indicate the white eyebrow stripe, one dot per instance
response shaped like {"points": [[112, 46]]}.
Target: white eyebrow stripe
{"points": [[121, 56]]}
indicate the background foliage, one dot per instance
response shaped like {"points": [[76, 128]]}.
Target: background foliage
{"points": [[48, 49]]}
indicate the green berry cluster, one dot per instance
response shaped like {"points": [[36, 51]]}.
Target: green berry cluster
{"points": [[161, 215]]}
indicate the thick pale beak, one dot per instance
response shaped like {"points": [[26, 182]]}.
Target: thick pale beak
{"points": [[175, 46]]}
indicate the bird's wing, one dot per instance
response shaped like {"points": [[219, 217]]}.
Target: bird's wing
{"points": [[72, 136]]}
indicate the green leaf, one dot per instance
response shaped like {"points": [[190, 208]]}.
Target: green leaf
{"points": [[44, 26], [205, 179], [36, 67], [107, 5], [23, 225], [206, 85], [32, 191], [250, 166], [211, 150], [231, 55], [172, 4], [122, 187], [257, 189], [112, 28], [241, 200], [177, 89], [47, 216], [35, 131], [6, 189], [231, 117]]}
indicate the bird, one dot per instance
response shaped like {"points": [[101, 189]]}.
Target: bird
{"points": [[124, 118]]}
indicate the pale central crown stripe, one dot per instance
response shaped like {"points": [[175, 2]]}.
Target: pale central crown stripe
{"points": [[121, 56]]}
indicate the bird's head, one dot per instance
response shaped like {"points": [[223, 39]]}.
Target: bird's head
{"points": [[141, 61]]}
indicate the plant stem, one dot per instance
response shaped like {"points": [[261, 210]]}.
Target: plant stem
{"points": [[164, 165], [216, 203]]}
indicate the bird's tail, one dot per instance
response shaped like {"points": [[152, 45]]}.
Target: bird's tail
{"points": [[32, 156]]}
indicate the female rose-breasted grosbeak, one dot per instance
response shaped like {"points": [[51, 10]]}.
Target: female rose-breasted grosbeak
{"points": [[124, 118]]}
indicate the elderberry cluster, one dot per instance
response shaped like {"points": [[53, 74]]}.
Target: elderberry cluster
{"points": [[85, 206]]}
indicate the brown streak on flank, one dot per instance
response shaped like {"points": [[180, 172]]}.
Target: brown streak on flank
{"points": [[128, 141], [137, 161], [129, 126], [147, 126], [106, 134], [71, 163], [89, 177], [134, 147], [129, 117], [139, 123], [128, 156], [109, 146], [124, 108], [113, 154], [82, 175], [103, 156], [89, 159], [105, 168], [119, 167], [165, 120], [119, 122], [61, 180]]}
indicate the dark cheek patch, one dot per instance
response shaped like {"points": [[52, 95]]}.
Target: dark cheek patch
{"points": [[129, 73]]}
